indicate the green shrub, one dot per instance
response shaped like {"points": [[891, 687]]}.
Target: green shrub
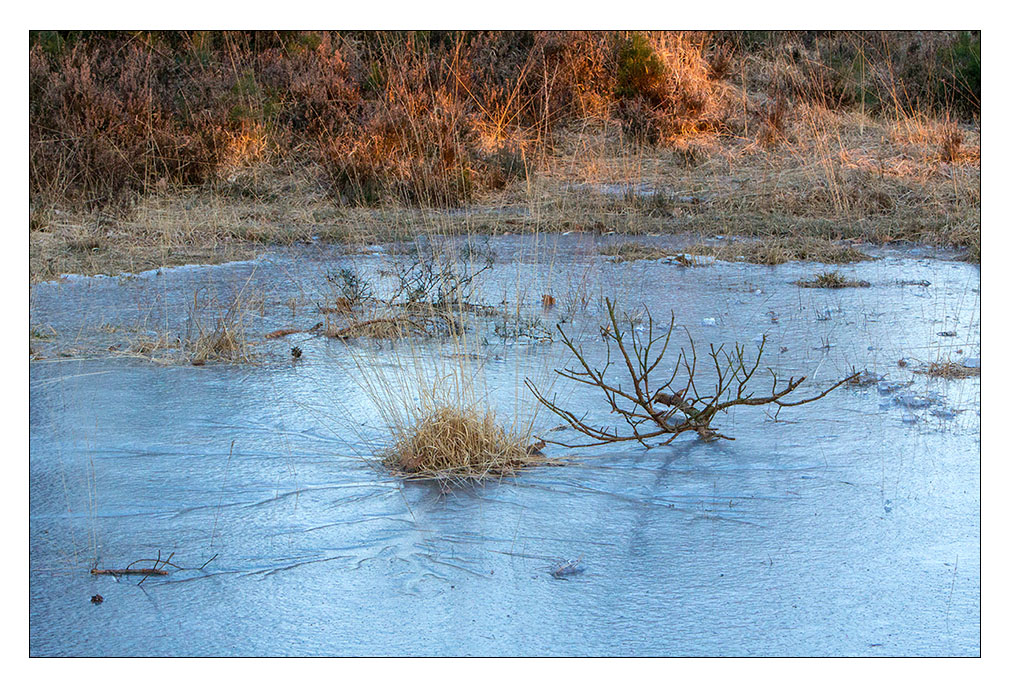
{"points": [[640, 69], [961, 83]]}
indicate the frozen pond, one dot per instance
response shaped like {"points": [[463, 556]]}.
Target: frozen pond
{"points": [[849, 527]]}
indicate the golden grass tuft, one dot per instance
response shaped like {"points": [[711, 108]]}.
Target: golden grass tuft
{"points": [[152, 346], [226, 343], [219, 337], [451, 442], [831, 280], [951, 370]]}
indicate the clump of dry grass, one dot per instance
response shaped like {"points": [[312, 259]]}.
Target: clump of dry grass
{"points": [[223, 343], [226, 343], [433, 400], [453, 443], [776, 250], [831, 280], [951, 144], [152, 346], [395, 326], [951, 370], [220, 338], [225, 339]]}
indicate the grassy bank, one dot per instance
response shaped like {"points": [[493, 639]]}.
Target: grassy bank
{"points": [[160, 148]]}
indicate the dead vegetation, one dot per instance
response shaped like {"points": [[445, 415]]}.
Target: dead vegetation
{"points": [[456, 443], [434, 285], [655, 413], [157, 568], [214, 333], [161, 148], [831, 280], [438, 421], [633, 251], [776, 250], [396, 327], [152, 345], [282, 332], [951, 370]]}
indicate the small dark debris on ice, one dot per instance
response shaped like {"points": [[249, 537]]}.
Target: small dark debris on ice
{"points": [[567, 569]]}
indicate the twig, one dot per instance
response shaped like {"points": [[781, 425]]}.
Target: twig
{"points": [[147, 572]]}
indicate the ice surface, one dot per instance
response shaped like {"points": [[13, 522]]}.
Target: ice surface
{"points": [[835, 530]]}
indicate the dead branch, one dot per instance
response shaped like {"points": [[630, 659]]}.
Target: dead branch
{"points": [[655, 415], [282, 332], [147, 571], [158, 570]]}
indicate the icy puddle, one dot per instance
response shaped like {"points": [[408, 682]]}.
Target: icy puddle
{"points": [[849, 526]]}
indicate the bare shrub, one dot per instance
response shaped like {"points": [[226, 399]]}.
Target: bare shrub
{"points": [[350, 288], [436, 276], [658, 413]]}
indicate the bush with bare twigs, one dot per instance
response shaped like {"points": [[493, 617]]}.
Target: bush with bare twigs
{"points": [[658, 413], [433, 288]]}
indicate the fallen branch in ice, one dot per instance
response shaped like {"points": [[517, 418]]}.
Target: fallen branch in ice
{"points": [[158, 570], [149, 571]]}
